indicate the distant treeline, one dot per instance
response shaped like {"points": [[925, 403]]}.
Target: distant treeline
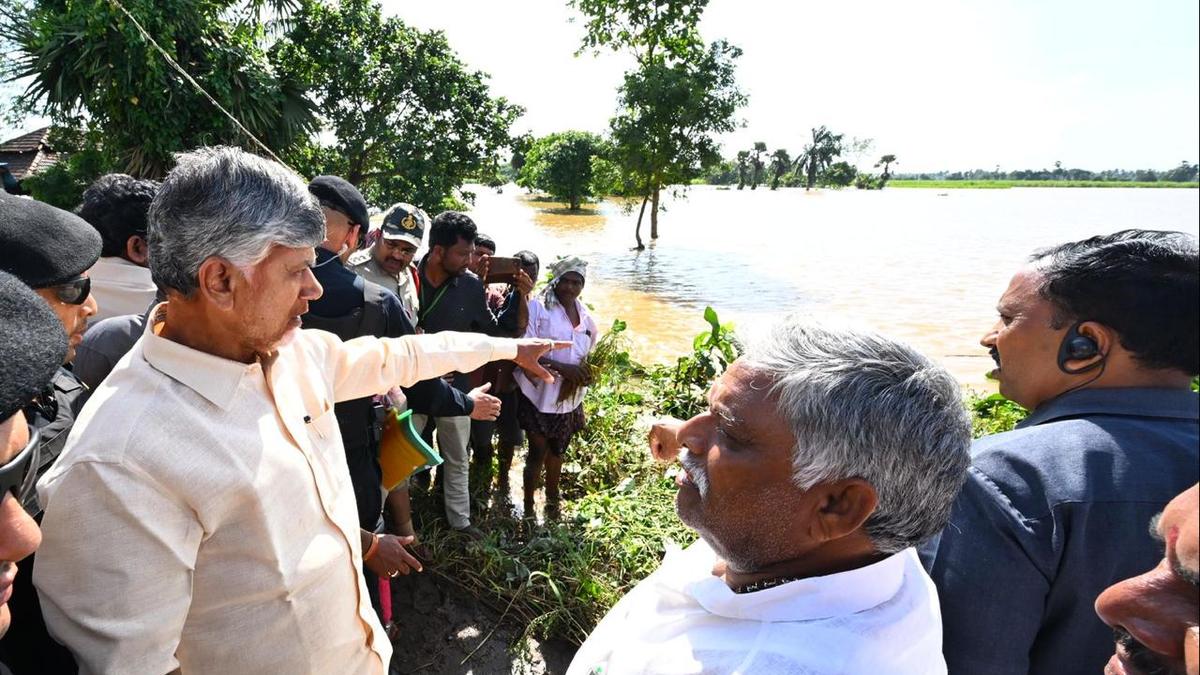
{"points": [[1186, 172]]}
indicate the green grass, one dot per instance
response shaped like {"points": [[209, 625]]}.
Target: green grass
{"points": [[1005, 184], [559, 579]]}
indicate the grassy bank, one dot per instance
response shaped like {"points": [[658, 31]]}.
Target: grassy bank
{"points": [[557, 579], [1005, 184]]}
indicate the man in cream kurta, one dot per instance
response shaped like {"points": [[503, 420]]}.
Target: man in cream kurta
{"points": [[202, 516]]}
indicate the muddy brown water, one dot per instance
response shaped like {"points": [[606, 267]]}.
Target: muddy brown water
{"points": [[917, 264]]}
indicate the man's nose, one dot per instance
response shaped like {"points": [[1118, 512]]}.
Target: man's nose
{"points": [[695, 434], [90, 306], [311, 290], [1135, 606], [989, 338]]}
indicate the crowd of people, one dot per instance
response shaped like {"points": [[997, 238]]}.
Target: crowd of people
{"points": [[195, 377]]}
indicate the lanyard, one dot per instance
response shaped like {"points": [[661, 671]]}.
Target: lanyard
{"points": [[426, 309]]}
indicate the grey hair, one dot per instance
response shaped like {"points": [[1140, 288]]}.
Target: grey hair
{"points": [[864, 406], [223, 201]]}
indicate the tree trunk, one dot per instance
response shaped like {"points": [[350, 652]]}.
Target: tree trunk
{"points": [[574, 202], [637, 233], [654, 214]]}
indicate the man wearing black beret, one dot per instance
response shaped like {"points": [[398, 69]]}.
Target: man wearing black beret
{"points": [[32, 347], [51, 251]]}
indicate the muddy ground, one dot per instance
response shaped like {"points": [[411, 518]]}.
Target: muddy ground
{"points": [[444, 630]]}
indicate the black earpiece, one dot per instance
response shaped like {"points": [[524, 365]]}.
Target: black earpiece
{"points": [[1075, 347]]}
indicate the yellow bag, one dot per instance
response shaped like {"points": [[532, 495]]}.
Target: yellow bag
{"points": [[402, 451]]}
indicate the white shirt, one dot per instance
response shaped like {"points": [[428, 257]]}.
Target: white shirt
{"points": [[554, 323], [882, 618], [202, 515], [120, 287]]}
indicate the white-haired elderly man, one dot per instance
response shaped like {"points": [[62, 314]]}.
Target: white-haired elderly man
{"points": [[824, 458], [202, 517]]}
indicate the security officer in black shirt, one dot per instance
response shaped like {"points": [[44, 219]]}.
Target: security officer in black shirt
{"points": [[50, 250]]}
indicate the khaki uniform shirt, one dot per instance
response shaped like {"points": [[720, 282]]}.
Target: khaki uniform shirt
{"points": [[202, 517], [403, 285]]}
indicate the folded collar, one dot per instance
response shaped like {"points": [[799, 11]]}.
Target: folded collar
{"points": [[213, 377], [825, 597], [1128, 401]]}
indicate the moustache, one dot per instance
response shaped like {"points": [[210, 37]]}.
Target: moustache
{"points": [[995, 353], [695, 471], [1141, 657]]}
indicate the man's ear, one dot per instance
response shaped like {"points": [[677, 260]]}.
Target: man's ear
{"points": [[1102, 335], [839, 508], [218, 278], [137, 251]]}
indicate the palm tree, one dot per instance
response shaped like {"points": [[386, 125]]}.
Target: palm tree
{"points": [[887, 161], [756, 164], [780, 162], [743, 158], [818, 154]]}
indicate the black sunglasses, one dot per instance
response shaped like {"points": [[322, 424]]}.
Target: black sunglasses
{"points": [[75, 291], [19, 475]]}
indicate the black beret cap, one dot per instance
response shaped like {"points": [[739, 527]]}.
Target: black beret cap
{"points": [[33, 345], [44, 246], [340, 195]]}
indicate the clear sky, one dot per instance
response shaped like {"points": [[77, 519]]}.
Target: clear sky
{"points": [[943, 84]]}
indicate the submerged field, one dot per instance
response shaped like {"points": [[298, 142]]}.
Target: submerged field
{"points": [[1005, 184]]}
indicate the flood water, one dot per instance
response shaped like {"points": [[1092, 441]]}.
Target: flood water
{"points": [[921, 265]]}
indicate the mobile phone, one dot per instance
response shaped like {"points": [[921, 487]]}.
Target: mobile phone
{"points": [[502, 270]]}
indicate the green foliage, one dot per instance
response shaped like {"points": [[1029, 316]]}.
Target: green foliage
{"points": [[818, 154], [780, 162], [670, 115], [91, 70], [993, 414], [81, 162], [672, 105], [838, 175], [410, 121], [681, 389], [648, 29], [561, 164]]}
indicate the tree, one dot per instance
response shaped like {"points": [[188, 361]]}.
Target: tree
{"points": [[561, 165], [818, 154], [410, 121], [756, 164], [838, 175], [677, 99], [781, 161], [650, 30], [743, 167], [103, 83], [887, 161], [1183, 173]]}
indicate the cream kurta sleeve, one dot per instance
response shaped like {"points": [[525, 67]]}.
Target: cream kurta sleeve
{"points": [[367, 366], [116, 585]]}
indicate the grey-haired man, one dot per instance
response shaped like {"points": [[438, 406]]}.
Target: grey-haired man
{"points": [[202, 516], [824, 458]]}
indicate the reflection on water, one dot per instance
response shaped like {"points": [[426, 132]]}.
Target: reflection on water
{"points": [[916, 265]]}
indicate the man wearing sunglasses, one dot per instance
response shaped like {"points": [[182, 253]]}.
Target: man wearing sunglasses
{"points": [[51, 251], [32, 345]]}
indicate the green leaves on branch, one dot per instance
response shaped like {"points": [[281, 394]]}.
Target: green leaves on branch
{"points": [[94, 74], [410, 121]]}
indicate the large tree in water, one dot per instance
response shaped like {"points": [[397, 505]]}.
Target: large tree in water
{"points": [[671, 107]]}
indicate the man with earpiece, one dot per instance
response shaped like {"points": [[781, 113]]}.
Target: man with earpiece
{"points": [[1098, 340]]}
